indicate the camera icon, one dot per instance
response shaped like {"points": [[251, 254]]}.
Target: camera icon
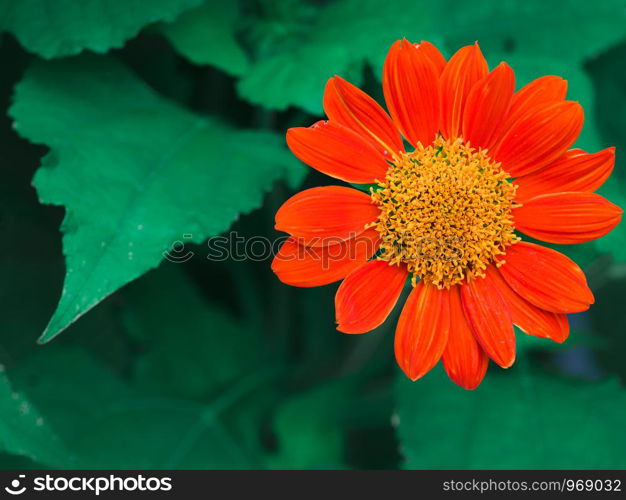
{"points": [[14, 488]]}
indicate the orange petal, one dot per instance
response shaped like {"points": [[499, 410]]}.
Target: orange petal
{"points": [[540, 137], [353, 108], [542, 91], [367, 295], [433, 54], [422, 331], [411, 88], [567, 217], [299, 265], [574, 171], [528, 318], [464, 69], [464, 360], [486, 107], [337, 151], [546, 278], [326, 215], [490, 319]]}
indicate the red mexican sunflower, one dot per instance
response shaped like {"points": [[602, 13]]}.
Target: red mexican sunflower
{"points": [[486, 163]]}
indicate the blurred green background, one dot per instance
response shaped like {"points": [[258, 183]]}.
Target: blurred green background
{"points": [[129, 125]]}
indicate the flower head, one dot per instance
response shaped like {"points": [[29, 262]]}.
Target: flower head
{"points": [[487, 165]]}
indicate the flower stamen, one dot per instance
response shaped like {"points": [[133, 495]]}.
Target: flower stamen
{"points": [[445, 211]]}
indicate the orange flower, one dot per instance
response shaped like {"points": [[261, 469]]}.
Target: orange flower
{"points": [[486, 162]]}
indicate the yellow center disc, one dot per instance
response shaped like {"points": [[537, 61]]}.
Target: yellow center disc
{"points": [[445, 211]]}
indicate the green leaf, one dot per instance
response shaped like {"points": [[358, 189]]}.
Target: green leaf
{"points": [[299, 49], [150, 433], [338, 39], [58, 28], [23, 431], [69, 386], [207, 36], [513, 420], [105, 423], [189, 348], [308, 428], [135, 173], [571, 31]]}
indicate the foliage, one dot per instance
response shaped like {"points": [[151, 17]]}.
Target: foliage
{"points": [[143, 124], [217, 46], [523, 419], [53, 28], [142, 177]]}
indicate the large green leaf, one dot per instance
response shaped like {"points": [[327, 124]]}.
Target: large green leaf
{"points": [[308, 428], [299, 49], [105, 423], [207, 36], [23, 430], [57, 28], [189, 348], [571, 31], [135, 172], [513, 420], [337, 39]]}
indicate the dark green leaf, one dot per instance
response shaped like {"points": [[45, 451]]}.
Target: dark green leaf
{"points": [[572, 31], [135, 173], [57, 28], [513, 420], [308, 428], [24, 431], [339, 40], [173, 322], [207, 36], [107, 424]]}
